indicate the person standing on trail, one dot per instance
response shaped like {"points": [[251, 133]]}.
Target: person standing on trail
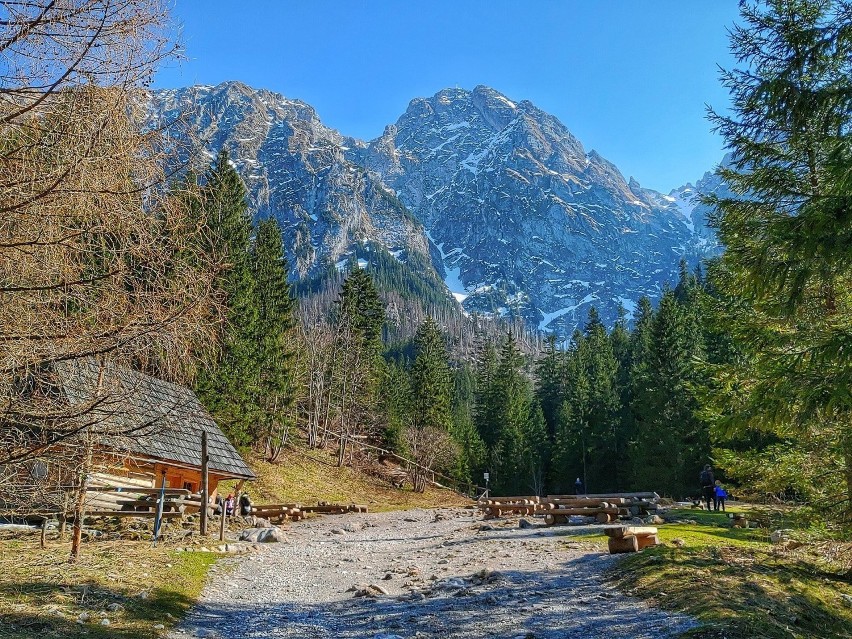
{"points": [[708, 487], [578, 487], [719, 496]]}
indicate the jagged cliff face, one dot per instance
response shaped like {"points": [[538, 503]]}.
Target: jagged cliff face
{"points": [[698, 214], [499, 197], [525, 219], [296, 170]]}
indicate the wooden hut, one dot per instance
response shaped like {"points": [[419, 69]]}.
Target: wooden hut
{"points": [[149, 429]]}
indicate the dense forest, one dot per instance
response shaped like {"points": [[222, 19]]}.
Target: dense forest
{"points": [[741, 363]]}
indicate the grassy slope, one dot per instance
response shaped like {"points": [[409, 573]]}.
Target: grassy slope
{"points": [[739, 585], [307, 477]]}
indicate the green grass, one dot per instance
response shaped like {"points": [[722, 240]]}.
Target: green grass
{"points": [[43, 595], [740, 586]]}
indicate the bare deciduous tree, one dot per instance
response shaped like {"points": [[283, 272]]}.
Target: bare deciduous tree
{"points": [[431, 449], [97, 259]]}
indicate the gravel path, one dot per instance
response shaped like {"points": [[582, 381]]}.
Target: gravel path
{"points": [[420, 573]]}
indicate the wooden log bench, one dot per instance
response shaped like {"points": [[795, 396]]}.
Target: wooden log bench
{"points": [[631, 538]]}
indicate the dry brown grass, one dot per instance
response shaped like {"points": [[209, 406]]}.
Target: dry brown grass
{"points": [[306, 477]]}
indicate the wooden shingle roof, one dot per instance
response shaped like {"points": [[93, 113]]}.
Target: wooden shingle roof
{"points": [[143, 415]]}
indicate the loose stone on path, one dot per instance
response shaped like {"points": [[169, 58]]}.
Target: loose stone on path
{"points": [[420, 574]]}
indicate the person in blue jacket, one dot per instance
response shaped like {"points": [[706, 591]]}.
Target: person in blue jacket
{"points": [[719, 496]]}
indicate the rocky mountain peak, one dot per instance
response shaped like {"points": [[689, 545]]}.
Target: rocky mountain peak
{"points": [[496, 194]]}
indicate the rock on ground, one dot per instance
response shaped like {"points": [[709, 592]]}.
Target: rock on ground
{"points": [[262, 535], [450, 577]]}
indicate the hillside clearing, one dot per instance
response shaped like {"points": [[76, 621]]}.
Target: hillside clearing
{"points": [[306, 477]]}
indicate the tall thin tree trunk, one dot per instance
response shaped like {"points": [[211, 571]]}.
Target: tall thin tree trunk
{"points": [[80, 500]]}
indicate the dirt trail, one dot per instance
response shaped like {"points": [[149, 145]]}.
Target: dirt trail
{"points": [[427, 573]]}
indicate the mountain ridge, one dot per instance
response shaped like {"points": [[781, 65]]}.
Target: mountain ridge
{"points": [[498, 197]]}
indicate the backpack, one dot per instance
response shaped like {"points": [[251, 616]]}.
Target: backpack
{"points": [[706, 478]]}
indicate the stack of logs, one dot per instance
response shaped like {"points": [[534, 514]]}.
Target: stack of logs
{"points": [[138, 501], [499, 506], [630, 538], [279, 512], [604, 508]]}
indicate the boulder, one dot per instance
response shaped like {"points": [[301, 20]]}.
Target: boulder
{"points": [[262, 535], [523, 523]]}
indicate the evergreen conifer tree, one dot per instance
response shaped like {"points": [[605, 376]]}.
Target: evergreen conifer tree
{"points": [[274, 323], [229, 389], [358, 363], [604, 444], [786, 270], [431, 383]]}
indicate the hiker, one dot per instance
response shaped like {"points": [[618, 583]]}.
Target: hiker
{"points": [[708, 488], [245, 505], [719, 496], [229, 505], [578, 487]]}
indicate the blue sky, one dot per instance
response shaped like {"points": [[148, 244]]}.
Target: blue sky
{"points": [[629, 78]]}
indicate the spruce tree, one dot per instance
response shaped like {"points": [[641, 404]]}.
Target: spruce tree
{"points": [[550, 390], [485, 393], [229, 389], [604, 445], [671, 441], [358, 365], [786, 271], [470, 460], [274, 323], [430, 379]]}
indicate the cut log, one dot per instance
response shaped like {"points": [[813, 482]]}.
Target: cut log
{"points": [[646, 541], [129, 513], [607, 496], [590, 512], [603, 518], [625, 544], [274, 506], [334, 509], [578, 503], [136, 489], [514, 500], [620, 532]]}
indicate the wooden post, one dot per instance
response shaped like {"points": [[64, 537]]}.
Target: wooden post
{"points": [[43, 532], [80, 501], [222, 523], [205, 495]]}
